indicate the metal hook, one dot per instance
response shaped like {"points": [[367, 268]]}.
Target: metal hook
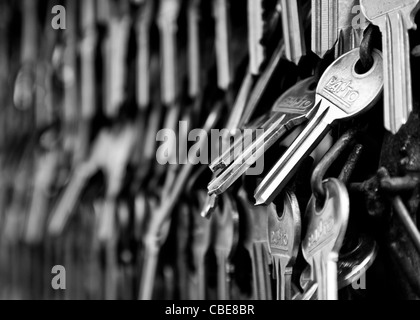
{"points": [[328, 160], [367, 46]]}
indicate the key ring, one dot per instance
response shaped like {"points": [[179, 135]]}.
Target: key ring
{"points": [[332, 155]]}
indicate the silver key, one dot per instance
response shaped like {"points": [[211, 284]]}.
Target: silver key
{"points": [[293, 33], [284, 237], [194, 63], [159, 225], [226, 224], [256, 242], [354, 264], [349, 34], [143, 24], [324, 25], [332, 20], [119, 145], [326, 228], [292, 109], [342, 94], [201, 240], [395, 18]]}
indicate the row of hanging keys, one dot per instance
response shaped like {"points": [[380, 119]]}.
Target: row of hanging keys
{"points": [[81, 185]]}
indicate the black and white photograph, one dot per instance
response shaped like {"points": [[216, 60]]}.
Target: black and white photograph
{"points": [[209, 155]]}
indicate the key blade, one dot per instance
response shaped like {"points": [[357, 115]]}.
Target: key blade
{"points": [[326, 229], [282, 172], [293, 32], [143, 56], [324, 25], [394, 19], [255, 34], [293, 108], [68, 201], [284, 230], [341, 94], [398, 101], [167, 22], [242, 163]]}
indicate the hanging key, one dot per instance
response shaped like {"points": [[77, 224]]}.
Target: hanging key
{"points": [[324, 25], [117, 49], [222, 33], [395, 18], [159, 225], [200, 242], [293, 33], [226, 224], [284, 230], [326, 228], [257, 244], [342, 94], [167, 23], [333, 20], [350, 33], [108, 143], [143, 24], [355, 262], [292, 109]]}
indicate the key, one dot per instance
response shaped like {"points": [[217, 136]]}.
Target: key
{"points": [[354, 263], [293, 33], [167, 23], [47, 165], [23, 92], [284, 230], [395, 18], [183, 237], [326, 228], [158, 226], [349, 35], [256, 243], [108, 143], [231, 154], [200, 242], [292, 109], [261, 85], [194, 63], [324, 25], [341, 94], [117, 48], [226, 224], [332, 20], [88, 99], [222, 33], [255, 34], [144, 20]]}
